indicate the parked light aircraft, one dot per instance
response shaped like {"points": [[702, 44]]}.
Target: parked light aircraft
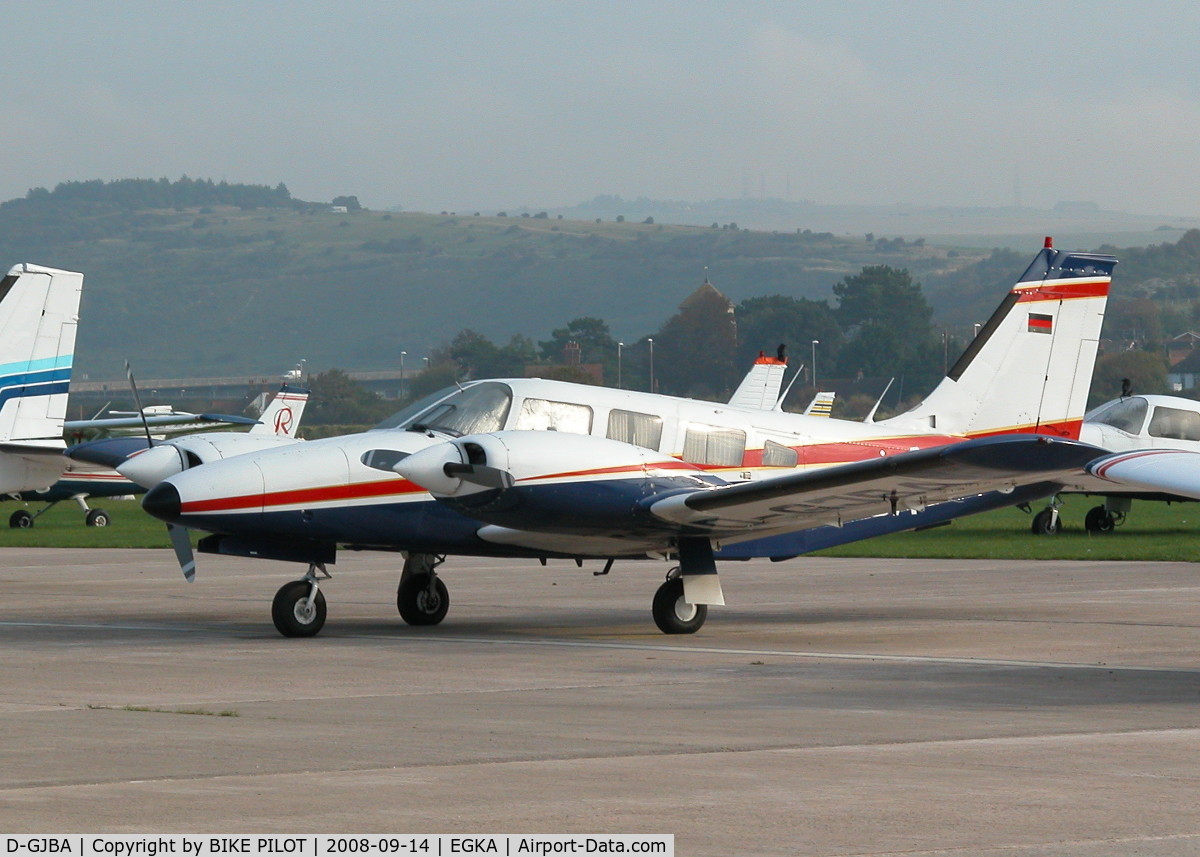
{"points": [[543, 469], [39, 313], [1171, 472], [90, 473], [1124, 425]]}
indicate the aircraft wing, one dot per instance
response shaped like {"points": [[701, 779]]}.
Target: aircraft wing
{"points": [[29, 448], [1170, 471], [180, 421], [910, 481]]}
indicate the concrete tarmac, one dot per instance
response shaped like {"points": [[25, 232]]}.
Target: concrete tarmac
{"points": [[835, 707]]}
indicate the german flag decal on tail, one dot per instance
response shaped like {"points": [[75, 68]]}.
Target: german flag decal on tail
{"points": [[1039, 323]]}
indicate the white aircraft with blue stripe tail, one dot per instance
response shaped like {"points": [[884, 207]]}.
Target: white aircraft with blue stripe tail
{"points": [[39, 314], [542, 469]]}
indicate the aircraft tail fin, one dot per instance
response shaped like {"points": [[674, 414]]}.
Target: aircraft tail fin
{"points": [[282, 416], [1030, 366], [39, 312], [821, 405], [760, 388]]}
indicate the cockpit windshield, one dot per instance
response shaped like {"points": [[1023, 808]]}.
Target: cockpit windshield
{"points": [[1128, 415], [478, 408]]}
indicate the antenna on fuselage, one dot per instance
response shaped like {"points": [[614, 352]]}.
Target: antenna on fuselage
{"points": [[788, 389], [870, 418]]}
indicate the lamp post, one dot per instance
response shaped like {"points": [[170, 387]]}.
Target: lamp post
{"points": [[651, 340], [815, 343], [403, 354], [620, 348]]}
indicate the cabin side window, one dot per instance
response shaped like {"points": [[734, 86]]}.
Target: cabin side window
{"points": [[716, 446], [778, 455], [1175, 424], [545, 415], [638, 429]]}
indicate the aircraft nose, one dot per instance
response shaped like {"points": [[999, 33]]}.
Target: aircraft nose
{"points": [[162, 501]]}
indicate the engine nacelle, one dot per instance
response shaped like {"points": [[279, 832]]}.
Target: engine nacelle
{"points": [[163, 460], [546, 481]]}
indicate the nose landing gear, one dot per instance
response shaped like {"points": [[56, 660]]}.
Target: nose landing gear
{"points": [[299, 607]]}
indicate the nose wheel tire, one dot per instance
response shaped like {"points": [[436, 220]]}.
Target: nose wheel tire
{"points": [[1045, 523], [674, 615], [294, 614], [420, 604], [96, 518]]}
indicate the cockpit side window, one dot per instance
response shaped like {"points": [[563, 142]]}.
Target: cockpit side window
{"points": [[1128, 415], [476, 409], [402, 417], [546, 415]]}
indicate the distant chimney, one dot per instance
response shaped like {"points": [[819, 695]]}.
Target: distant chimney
{"points": [[572, 353]]}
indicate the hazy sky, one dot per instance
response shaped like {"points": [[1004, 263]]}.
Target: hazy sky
{"points": [[444, 105]]}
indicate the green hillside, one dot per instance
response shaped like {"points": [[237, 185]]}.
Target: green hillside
{"points": [[191, 278], [221, 288]]}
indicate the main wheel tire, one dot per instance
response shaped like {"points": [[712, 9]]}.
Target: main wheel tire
{"points": [[673, 614], [20, 520], [293, 615], [419, 606], [1046, 523], [1099, 521], [97, 518]]}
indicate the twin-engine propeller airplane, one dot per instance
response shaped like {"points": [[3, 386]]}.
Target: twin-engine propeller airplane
{"points": [[544, 469], [143, 462], [1130, 423]]}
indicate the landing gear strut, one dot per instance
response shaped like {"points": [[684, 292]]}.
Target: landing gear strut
{"points": [[1047, 522], [421, 597], [299, 607]]}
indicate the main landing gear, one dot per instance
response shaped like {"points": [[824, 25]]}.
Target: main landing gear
{"points": [[672, 612], [421, 597], [23, 519], [1100, 520]]}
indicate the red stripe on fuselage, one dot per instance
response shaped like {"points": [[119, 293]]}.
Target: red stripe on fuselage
{"points": [[303, 496]]}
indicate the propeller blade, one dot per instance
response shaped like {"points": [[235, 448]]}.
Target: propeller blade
{"points": [[480, 474], [182, 544], [137, 401]]}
